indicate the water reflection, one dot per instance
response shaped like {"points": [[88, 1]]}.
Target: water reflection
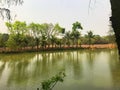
{"points": [[115, 69], [85, 69]]}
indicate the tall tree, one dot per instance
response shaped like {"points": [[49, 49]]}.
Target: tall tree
{"points": [[35, 32], [17, 34], [76, 26], [75, 33], [115, 19], [50, 32]]}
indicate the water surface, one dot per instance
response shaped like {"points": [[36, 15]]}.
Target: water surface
{"points": [[85, 70]]}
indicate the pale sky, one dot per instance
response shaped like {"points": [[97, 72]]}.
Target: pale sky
{"points": [[66, 12]]}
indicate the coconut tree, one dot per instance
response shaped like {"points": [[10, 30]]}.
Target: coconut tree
{"points": [[90, 36], [68, 38], [75, 33], [75, 36]]}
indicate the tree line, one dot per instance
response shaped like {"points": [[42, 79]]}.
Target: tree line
{"points": [[47, 35]]}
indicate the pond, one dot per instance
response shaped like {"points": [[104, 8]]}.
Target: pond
{"points": [[84, 69]]}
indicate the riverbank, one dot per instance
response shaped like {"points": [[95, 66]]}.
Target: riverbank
{"points": [[100, 46], [28, 49]]}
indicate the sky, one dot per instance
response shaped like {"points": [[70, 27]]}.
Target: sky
{"points": [[65, 12]]}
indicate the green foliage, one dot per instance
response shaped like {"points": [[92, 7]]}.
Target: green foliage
{"points": [[9, 26], [90, 36], [17, 27], [59, 29], [75, 34], [18, 31], [49, 84], [110, 37], [3, 39], [77, 25], [39, 34], [30, 41], [47, 36], [68, 37], [99, 40], [35, 31]]}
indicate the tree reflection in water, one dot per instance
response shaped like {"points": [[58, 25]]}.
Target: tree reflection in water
{"points": [[85, 69]]}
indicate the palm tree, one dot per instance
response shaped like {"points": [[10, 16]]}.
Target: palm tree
{"points": [[76, 26], [67, 38], [75, 33], [90, 36], [75, 36]]}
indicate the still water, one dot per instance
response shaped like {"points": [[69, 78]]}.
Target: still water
{"points": [[85, 70]]}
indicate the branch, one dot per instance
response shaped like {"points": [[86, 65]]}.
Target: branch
{"points": [[89, 6], [5, 12]]}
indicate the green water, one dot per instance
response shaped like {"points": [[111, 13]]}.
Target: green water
{"points": [[85, 70]]}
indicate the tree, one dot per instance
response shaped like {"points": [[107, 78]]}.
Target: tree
{"points": [[76, 26], [67, 38], [47, 33], [53, 40], [97, 39], [3, 39], [58, 30], [75, 36], [17, 31], [111, 37], [30, 41], [50, 32], [90, 36], [35, 30], [115, 20], [75, 33]]}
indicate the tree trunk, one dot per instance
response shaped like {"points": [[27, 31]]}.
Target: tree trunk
{"points": [[115, 19]]}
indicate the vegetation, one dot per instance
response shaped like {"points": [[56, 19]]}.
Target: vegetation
{"points": [[5, 13], [35, 36], [115, 18], [90, 36], [49, 84]]}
